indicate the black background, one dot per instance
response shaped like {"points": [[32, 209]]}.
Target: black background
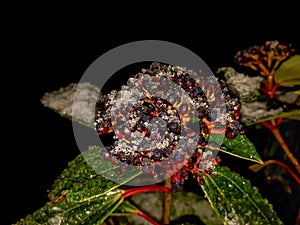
{"points": [[37, 142]]}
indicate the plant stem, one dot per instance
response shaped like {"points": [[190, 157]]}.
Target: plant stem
{"points": [[279, 138], [167, 201], [143, 189], [146, 217], [297, 179], [258, 167], [286, 149]]}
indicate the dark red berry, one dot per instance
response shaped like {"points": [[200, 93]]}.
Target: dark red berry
{"points": [[200, 180], [231, 133]]}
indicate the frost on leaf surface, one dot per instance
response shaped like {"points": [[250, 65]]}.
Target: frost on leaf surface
{"points": [[245, 86], [76, 101]]}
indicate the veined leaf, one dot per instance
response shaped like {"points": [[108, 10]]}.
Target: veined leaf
{"points": [[235, 200], [79, 171], [87, 177], [240, 147], [65, 212], [99, 186], [288, 74]]}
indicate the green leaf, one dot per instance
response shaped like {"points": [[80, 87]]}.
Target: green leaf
{"points": [[240, 147], [297, 92], [75, 102], [65, 212], [99, 186], [292, 115], [90, 170], [235, 200], [288, 74], [79, 171]]}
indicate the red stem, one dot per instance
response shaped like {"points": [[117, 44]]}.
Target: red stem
{"points": [[297, 179], [150, 188], [279, 121], [268, 125], [275, 130], [146, 217]]}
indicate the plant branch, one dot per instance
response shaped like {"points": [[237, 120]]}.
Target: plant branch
{"points": [[167, 201], [143, 189], [146, 217], [258, 167], [279, 138]]}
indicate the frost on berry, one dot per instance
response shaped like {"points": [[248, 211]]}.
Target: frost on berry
{"points": [[156, 133]]}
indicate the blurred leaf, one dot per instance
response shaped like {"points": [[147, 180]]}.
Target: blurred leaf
{"points": [[293, 115], [297, 92], [288, 74], [240, 147], [75, 102], [235, 200]]}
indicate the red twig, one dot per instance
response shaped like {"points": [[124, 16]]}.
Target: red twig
{"points": [[146, 217], [143, 189], [275, 130], [297, 179], [268, 125]]}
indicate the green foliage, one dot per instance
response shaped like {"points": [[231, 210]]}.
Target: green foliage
{"points": [[288, 74], [240, 147], [235, 200], [84, 194]]}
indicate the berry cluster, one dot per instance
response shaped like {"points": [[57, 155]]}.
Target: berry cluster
{"points": [[156, 133]]}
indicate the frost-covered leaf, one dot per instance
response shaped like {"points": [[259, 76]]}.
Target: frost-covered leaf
{"points": [[79, 107], [293, 115], [254, 111], [236, 201], [289, 97], [246, 87], [288, 74]]}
